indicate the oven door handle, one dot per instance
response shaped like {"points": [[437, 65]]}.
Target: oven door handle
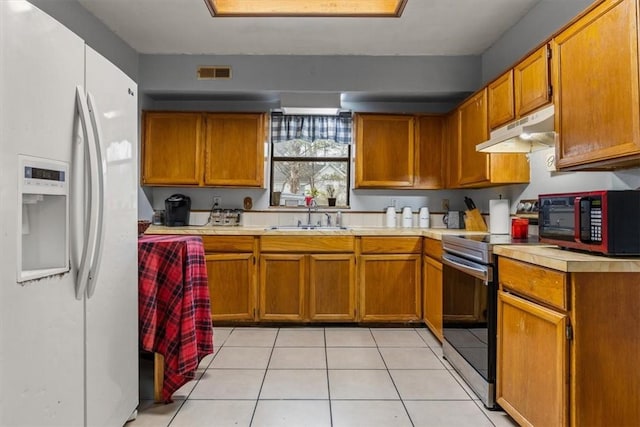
{"points": [[471, 268]]}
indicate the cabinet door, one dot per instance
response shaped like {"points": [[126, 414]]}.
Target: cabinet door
{"points": [[432, 295], [429, 153], [532, 367], [282, 287], [531, 82], [500, 100], [234, 150], [172, 149], [231, 286], [595, 66], [332, 291], [473, 167], [451, 150], [384, 151], [390, 288]]}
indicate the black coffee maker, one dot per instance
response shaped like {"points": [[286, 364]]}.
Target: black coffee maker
{"points": [[177, 210]]}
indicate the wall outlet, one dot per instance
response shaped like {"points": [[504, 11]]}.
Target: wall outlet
{"points": [[445, 204], [217, 201]]}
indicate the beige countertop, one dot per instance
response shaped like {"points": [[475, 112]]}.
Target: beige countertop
{"points": [[545, 256], [568, 261], [434, 233]]}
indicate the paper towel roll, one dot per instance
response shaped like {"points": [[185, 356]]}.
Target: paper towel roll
{"points": [[499, 219]]}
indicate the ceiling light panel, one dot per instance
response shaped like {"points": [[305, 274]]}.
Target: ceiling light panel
{"points": [[309, 8]]}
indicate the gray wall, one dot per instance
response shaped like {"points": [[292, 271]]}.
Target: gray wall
{"points": [[95, 33], [436, 82], [543, 20]]}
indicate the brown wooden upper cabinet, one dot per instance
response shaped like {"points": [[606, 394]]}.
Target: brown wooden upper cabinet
{"points": [[531, 82], [595, 72], [203, 149], [430, 155], [384, 150], [171, 148], [501, 102], [476, 169], [399, 151], [234, 150], [472, 166], [521, 90]]}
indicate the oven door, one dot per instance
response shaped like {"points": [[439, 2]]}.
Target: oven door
{"points": [[469, 313]]}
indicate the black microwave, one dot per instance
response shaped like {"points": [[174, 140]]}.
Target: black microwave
{"points": [[606, 222]]}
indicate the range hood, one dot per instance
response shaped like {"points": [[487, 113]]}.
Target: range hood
{"points": [[530, 133]]}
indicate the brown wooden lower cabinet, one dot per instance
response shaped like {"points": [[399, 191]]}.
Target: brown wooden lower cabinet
{"points": [[231, 271], [332, 290], [282, 287], [432, 295], [307, 287], [533, 362], [390, 288], [231, 286], [568, 346]]}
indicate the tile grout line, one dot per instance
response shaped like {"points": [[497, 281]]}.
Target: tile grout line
{"points": [[264, 377], [326, 362], [391, 377]]}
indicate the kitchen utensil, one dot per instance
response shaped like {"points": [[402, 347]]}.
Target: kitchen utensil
{"points": [[469, 203]]}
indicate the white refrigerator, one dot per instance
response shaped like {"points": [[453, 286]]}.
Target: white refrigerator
{"points": [[68, 228]]}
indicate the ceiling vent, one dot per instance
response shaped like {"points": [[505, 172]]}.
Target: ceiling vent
{"points": [[214, 72]]}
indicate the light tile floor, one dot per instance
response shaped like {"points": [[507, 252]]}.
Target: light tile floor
{"points": [[333, 376]]}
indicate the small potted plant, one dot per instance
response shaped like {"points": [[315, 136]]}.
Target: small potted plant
{"points": [[331, 195]]}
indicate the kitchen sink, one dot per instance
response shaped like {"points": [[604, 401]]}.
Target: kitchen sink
{"points": [[306, 227]]}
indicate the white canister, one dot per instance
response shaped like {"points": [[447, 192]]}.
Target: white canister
{"points": [[407, 217], [391, 216], [424, 217]]}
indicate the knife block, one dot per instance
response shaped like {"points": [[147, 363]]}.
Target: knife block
{"points": [[474, 221]]}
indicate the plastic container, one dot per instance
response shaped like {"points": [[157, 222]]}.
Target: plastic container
{"points": [[519, 228], [391, 216], [424, 217], [407, 217]]}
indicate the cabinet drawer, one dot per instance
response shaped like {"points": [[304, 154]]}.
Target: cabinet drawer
{"points": [[433, 248], [228, 243], [391, 245], [542, 284], [307, 244]]}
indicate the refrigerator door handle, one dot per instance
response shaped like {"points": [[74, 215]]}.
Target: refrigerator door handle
{"points": [[89, 227], [101, 176]]}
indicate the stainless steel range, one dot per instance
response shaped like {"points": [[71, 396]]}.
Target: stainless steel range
{"points": [[469, 308]]}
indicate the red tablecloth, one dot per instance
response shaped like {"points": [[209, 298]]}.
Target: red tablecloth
{"points": [[174, 308]]}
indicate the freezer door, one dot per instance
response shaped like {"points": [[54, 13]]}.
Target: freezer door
{"points": [[112, 309], [41, 322]]}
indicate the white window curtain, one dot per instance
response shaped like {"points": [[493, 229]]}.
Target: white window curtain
{"points": [[310, 128]]}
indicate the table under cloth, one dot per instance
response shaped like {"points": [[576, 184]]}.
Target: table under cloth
{"points": [[173, 306]]}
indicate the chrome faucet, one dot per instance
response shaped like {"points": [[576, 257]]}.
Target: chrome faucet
{"points": [[328, 219]]}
